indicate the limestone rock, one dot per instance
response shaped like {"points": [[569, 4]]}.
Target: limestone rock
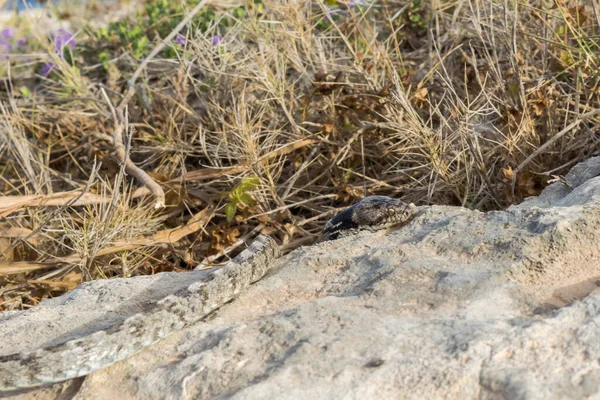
{"points": [[457, 304]]}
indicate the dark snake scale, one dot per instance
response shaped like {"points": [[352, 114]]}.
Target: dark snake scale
{"points": [[372, 213]]}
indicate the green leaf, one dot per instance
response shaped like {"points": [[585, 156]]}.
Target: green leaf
{"points": [[249, 183], [123, 32], [245, 199], [239, 12], [513, 90], [230, 210], [104, 58], [236, 193], [240, 194], [103, 33], [135, 33], [25, 92], [140, 47]]}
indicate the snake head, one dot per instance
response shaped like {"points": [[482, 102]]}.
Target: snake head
{"points": [[371, 213]]}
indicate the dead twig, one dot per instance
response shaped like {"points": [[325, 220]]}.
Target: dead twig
{"points": [[120, 125], [11, 268], [120, 114], [10, 204]]}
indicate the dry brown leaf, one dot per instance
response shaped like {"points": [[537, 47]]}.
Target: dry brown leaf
{"points": [[578, 15], [11, 268], [17, 233], [223, 238], [10, 204], [526, 183], [328, 128], [69, 282], [14, 232], [421, 96], [56, 285], [508, 173]]}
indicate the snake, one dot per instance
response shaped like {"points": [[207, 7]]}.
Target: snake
{"points": [[102, 348]]}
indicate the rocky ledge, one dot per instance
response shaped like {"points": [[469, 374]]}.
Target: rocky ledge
{"points": [[457, 304]]}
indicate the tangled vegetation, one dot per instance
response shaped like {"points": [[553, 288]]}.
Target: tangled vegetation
{"points": [[269, 117]]}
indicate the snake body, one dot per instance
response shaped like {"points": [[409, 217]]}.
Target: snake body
{"points": [[100, 349], [372, 213]]}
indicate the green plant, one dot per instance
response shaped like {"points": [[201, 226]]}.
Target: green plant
{"points": [[241, 196]]}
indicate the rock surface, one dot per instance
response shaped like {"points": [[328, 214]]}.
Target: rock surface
{"points": [[457, 304]]}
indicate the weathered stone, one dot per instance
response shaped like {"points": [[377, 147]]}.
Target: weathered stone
{"points": [[457, 304]]}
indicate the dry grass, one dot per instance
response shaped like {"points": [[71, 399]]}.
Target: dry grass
{"points": [[473, 103]]}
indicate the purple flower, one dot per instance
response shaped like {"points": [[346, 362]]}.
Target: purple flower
{"points": [[63, 38], [47, 68], [8, 33], [216, 40], [22, 42], [180, 39]]}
